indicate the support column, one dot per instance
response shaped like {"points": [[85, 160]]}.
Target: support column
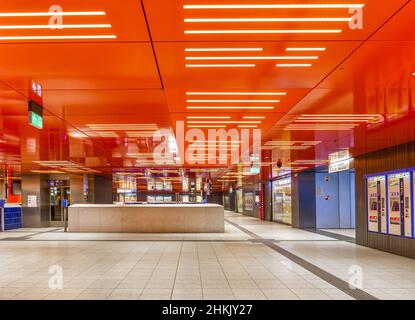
{"points": [[35, 185]]}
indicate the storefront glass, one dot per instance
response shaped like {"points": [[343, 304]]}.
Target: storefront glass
{"points": [[281, 194]]}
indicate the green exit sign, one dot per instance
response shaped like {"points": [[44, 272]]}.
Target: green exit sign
{"points": [[35, 120]]}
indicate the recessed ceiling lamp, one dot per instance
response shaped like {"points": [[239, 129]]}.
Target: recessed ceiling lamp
{"points": [[231, 107], [221, 49], [59, 37], [197, 20], [305, 49], [293, 65], [236, 93], [231, 101], [256, 58], [50, 14], [47, 26], [208, 117], [275, 6], [241, 65], [254, 117], [266, 31]]}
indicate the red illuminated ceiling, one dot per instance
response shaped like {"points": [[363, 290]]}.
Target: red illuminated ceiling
{"points": [[120, 69]]}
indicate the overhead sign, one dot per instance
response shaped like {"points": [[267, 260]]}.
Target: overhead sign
{"points": [[35, 92], [35, 115], [339, 161]]}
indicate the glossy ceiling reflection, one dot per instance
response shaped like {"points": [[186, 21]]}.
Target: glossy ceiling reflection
{"points": [[315, 76]]}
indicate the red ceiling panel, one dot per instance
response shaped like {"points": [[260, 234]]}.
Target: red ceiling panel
{"points": [[79, 66], [263, 75], [173, 13], [126, 20]]}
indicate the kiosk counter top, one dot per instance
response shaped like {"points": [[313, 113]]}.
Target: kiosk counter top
{"points": [[147, 218]]}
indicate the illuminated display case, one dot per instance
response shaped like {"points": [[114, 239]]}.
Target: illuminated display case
{"points": [[126, 189]]}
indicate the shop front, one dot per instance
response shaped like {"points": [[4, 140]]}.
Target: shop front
{"points": [[281, 195]]}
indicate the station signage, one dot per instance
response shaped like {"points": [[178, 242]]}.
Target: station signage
{"points": [[339, 161], [35, 115], [35, 106]]}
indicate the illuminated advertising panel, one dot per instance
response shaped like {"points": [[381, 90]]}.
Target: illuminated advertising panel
{"points": [[376, 196], [400, 204]]}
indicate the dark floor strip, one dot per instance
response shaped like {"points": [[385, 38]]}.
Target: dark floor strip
{"points": [[326, 276], [329, 234]]}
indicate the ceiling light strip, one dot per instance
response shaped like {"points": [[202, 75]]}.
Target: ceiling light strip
{"points": [[233, 122], [212, 126], [222, 49], [266, 31], [293, 65], [256, 58], [220, 65], [231, 101], [54, 27], [236, 93], [58, 37], [305, 49], [208, 117], [231, 107], [275, 6], [50, 14], [202, 20]]}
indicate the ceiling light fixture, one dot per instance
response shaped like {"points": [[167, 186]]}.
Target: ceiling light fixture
{"points": [[49, 14], [233, 122], [244, 126], [58, 37], [293, 65], [254, 117], [221, 49], [236, 93], [208, 117], [230, 101], [220, 65], [231, 107], [48, 26], [197, 20], [255, 58], [274, 6], [216, 126], [305, 49], [266, 31]]}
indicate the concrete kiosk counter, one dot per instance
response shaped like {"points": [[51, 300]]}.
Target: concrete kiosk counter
{"points": [[146, 218]]}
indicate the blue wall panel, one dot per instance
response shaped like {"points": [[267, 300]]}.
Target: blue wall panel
{"points": [[12, 218], [327, 201]]}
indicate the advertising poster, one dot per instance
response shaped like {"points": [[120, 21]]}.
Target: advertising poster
{"points": [[376, 195], [249, 201], [400, 215]]}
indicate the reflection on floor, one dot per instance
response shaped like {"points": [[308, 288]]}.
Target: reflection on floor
{"points": [[192, 266], [351, 233]]}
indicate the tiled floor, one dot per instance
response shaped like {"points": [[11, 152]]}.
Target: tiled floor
{"points": [[192, 266]]}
